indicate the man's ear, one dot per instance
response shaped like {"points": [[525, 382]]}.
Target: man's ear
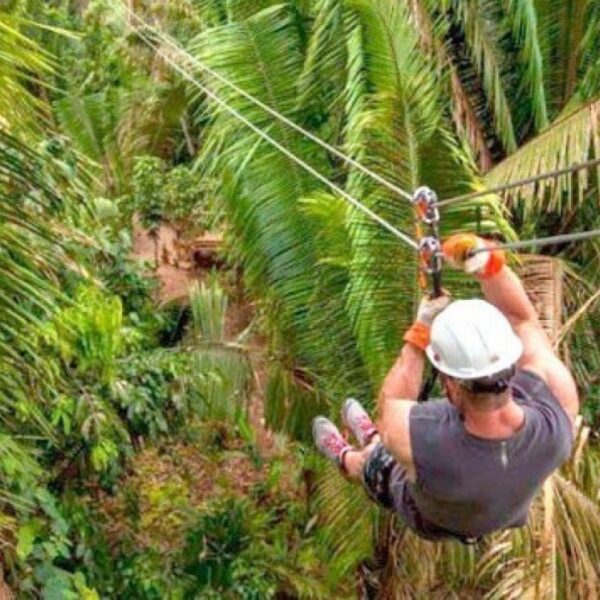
{"points": [[444, 381], [449, 386]]}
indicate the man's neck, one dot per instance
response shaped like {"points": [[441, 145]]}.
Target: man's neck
{"points": [[499, 423]]}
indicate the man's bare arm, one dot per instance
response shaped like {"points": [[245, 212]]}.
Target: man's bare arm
{"points": [[403, 382], [506, 292], [398, 394], [401, 387]]}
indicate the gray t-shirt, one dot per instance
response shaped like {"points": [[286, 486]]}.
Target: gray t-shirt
{"points": [[473, 486]]}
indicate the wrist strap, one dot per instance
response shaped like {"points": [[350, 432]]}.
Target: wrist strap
{"points": [[418, 335], [496, 261]]}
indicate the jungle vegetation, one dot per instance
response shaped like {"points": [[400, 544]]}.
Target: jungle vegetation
{"points": [[130, 463]]}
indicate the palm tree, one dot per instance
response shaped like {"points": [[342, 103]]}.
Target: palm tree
{"points": [[513, 66], [23, 64], [27, 291], [302, 226]]}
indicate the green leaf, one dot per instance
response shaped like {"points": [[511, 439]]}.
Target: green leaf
{"points": [[26, 537]]}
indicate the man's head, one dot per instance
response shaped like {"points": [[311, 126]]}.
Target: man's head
{"points": [[475, 349], [481, 395]]}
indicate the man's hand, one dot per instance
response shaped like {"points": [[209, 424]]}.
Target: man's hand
{"points": [[460, 251], [429, 309]]}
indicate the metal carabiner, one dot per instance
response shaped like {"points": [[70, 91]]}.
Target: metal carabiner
{"points": [[425, 202], [430, 249]]}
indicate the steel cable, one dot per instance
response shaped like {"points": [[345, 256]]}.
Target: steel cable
{"points": [[522, 182], [537, 242], [268, 109], [545, 241], [345, 195]]}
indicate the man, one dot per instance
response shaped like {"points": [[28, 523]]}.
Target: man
{"points": [[470, 464]]}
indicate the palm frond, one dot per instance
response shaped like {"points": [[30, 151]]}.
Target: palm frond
{"points": [[32, 256], [436, 41], [526, 30], [397, 125], [345, 515], [22, 61], [324, 58], [221, 376], [264, 192], [483, 28], [571, 139], [589, 78], [209, 307], [568, 24], [92, 122]]}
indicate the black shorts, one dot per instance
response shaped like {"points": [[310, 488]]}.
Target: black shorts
{"points": [[386, 483], [377, 474]]}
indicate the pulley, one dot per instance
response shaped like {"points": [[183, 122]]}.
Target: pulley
{"points": [[425, 201]]}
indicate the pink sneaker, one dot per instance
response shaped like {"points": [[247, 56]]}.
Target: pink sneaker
{"points": [[329, 441], [358, 421]]}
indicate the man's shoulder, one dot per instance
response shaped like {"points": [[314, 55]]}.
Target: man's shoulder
{"points": [[527, 384], [440, 410], [530, 389], [546, 416]]}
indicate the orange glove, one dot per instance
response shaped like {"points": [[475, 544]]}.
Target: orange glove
{"points": [[429, 309], [459, 251]]}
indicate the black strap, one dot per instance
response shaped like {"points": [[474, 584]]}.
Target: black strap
{"points": [[428, 385]]}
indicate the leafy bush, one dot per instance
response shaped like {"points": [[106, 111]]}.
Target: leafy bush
{"points": [[193, 520], [151, 391], [176, 194], [89, 336], [43, 551]]}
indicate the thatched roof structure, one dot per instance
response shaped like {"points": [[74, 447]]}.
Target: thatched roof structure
{"points": [[542, 277]]}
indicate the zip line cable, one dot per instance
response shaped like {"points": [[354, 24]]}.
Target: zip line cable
{"points": [[268, 109], [545, 241], [557, 239], [353, 201], [528, 180]]}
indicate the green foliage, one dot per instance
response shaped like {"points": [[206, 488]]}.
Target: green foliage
{"points": [[90, 336], [209, 307], [149, 197], [30, 259], [21, 61], [43, 544], [223, 368], [178, 195], [215, 542], [151, 390], [418, 92], [199, 519]]}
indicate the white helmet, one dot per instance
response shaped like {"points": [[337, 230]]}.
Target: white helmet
{"points": [[472, 339]]}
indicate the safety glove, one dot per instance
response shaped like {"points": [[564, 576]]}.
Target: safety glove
{"points": [[460, 252], [429, 308]]}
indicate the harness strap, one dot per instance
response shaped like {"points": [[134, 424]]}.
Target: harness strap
{"points": [[425, 203]]}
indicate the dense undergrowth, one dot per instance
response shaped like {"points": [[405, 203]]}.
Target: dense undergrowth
{"points": [[134, 458], [153, 483]]}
